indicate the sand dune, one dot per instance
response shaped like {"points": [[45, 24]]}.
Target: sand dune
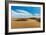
{"points": [[29, 23]]}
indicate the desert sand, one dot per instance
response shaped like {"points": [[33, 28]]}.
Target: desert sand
{"points": [[30, 23]]}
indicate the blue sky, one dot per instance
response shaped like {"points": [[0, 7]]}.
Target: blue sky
{"points": [[29, 11]]}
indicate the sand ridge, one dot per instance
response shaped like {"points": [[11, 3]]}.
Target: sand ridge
{"points": [[30, 23]]}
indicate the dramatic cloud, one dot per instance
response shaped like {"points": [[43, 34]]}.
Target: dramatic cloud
{"points": [[21, 14]]}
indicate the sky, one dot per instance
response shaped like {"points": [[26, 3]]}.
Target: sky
{"points": [[24, 11]]}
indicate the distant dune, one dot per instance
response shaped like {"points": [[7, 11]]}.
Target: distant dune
{"points": [[25, 23]]}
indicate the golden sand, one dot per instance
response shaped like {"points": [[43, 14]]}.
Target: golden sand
{"points": [[30, 23]]}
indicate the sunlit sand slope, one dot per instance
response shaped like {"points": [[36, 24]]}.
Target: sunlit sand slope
{"points": [[30, 23]]}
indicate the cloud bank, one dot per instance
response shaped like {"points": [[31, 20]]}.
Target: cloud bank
{"points": [[22, 14]]}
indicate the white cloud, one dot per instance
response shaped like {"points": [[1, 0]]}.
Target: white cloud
{"points": [[22, 14]]}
